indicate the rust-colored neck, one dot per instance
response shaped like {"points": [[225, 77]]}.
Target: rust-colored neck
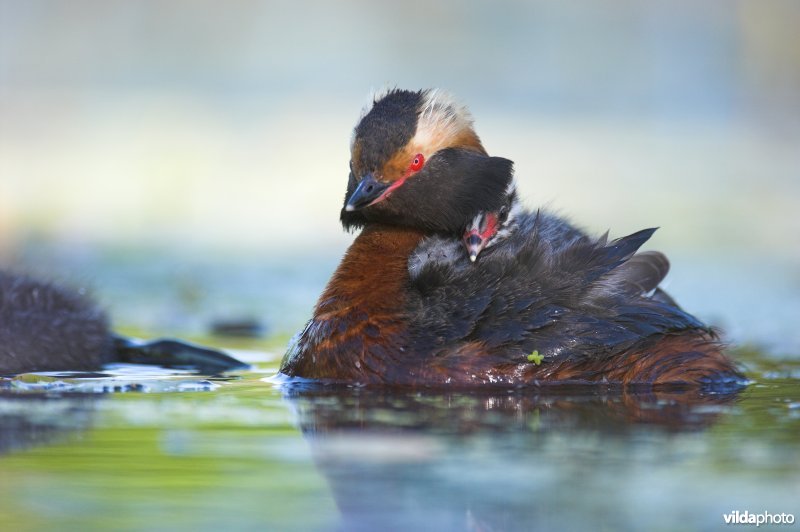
{"points": [[373, 274], [359, 318]]}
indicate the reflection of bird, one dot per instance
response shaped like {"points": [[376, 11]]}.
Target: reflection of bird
{"points": [[398, 454], [544, 303]]}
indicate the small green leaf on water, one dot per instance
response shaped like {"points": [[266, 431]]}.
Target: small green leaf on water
{"points": [[535, 357]]}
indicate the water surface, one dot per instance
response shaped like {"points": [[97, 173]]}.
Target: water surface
{"points": [[143, 448]]}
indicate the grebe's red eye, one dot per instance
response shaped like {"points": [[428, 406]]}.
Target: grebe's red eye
{"points": [[417, 163]]}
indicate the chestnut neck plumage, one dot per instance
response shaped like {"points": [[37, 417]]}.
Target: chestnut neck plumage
{"points": [[357, 314]]}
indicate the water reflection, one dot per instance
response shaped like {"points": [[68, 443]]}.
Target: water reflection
{"points": [[491, 460], [32, 420], [47, 407]]}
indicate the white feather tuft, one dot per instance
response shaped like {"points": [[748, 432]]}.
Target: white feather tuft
{"points": [[441, 118]]}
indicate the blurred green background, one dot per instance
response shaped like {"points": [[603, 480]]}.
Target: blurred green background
{"points": [[197, 151]]}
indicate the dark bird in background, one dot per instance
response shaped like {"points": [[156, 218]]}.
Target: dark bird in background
{"points": [[47, 327], [452, 282]]}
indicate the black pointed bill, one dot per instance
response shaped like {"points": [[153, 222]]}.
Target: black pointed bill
{"points": [[368, 191]]}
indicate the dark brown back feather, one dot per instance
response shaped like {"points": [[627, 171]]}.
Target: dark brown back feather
{"points": [[642, 273]]}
